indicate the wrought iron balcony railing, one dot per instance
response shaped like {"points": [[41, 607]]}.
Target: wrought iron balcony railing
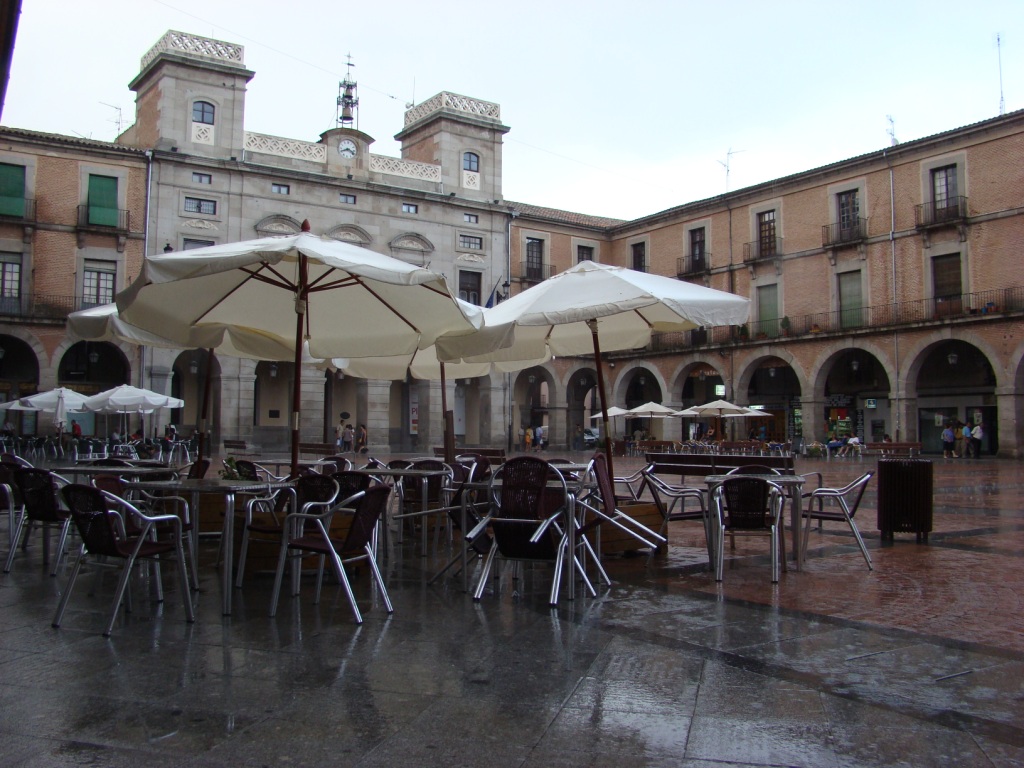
{"points": [[938, 213], [694, 264], [17, 209], [844, 234], [95, 217], [762, 248], [39, 307], [963, 307], [531, 270]]}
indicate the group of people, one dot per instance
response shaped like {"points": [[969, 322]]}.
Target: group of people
{"points": [[533, 438], [961, 440], [844, 446], [348, 438]]}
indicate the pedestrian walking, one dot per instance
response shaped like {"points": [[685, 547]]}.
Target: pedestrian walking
{"points": [[977, 434]]}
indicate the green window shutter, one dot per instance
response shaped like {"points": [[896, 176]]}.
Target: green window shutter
{"points": [[768, 310], [103, 201], [850, 300], [12, 190]]}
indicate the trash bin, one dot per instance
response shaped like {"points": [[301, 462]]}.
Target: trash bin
{"points": [[905, 497]]}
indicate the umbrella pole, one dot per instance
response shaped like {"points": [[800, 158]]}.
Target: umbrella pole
{"points": [[302, 295], [204, 411], [604, 402], [449, 422]]}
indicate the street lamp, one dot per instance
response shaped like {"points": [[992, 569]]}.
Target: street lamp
{"points": [[273, 370], [952, 358], [193, 367], [854, 365]]}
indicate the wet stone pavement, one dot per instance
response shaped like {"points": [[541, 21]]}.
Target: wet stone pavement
{"points": [[917, 663]]}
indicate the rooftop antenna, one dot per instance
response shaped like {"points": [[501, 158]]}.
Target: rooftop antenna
{"points": [[120, 121], [893, 141], [728, 162], [999, 53], [348, 101]]}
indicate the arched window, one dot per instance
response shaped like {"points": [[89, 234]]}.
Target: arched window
{"points": [[470, 161], [202, 112]]}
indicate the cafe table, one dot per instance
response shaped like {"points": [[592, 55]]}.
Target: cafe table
{"points": [[791, 485], [228, 489], [399, 473]]}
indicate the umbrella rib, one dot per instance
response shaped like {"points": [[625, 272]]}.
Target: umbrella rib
{"points": [[387, 304]]}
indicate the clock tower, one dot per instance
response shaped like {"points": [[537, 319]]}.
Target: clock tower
{"points": [[348, 148]]}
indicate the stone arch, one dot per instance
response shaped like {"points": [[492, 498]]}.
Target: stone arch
{"points": [[278, 224], [922, 346], [822, 364], [350, 233], [691, 369]]}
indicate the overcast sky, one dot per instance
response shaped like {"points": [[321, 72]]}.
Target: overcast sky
{"points": [[616, 109]]}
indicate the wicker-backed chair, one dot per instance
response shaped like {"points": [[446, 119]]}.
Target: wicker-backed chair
{"points": [[524, 517], [309, 531], [38, 490], [748, 506], [98, 519], [265, 515]]}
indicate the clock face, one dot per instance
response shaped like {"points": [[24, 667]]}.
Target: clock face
{"points": [[347, 148]]}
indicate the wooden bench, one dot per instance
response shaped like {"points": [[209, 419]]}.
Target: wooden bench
{"points": [[703, 464], [893, 449], [495, 455], [238, 448], [318, 449]]}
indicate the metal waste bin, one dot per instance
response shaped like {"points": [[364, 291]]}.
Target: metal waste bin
{"points": [[905, 497]]}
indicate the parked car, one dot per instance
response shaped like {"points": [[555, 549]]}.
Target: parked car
{"points": [[590, 437]]}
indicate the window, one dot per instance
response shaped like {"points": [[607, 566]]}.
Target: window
{"points": [[202, 178], [849, 214], [280, 189], [470, 161], [947, 286], [98, 280], [850, 300], [202, 112], [639, 251], [410, 208], [697, 252], [191, 244], [584, 253], [347, 199], [469, 286], [470, 218], [766, 234], [102, 201], [534, 258], [12, 190], [768, 310], [10, 282], [472, 242], [198, 205], [944, 190]]}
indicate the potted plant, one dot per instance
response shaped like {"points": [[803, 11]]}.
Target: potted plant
{"points": [[743, 332], [230, 471], [784, 324]]}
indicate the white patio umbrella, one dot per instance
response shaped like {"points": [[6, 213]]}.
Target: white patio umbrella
{"points": [[343, 300], [718, 409], [60, 401], [128, 399], [588, 306], [652, 410]]}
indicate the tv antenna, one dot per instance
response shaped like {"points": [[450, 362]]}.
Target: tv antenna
{"points": [[999, 54], [893, 141], [728, 163], [119, 120]]}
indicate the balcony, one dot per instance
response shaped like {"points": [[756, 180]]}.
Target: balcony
{"points": [[694, 264], [18, 209], [833, 235], [95, 220], [533, 272], [39, 308], [941, 213], [762, 248], [965, 307]]}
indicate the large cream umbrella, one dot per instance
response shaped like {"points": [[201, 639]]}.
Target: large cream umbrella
{"points": [[342, 300], [590, 306]]}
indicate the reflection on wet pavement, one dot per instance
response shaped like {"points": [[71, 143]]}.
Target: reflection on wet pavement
{"points": [[918, 663]]}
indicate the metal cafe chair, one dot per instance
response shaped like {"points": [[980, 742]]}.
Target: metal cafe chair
{"points": [[845, 502], [100, 520], [524, 517], [309, 531], [38, 489], [747, 506]]}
